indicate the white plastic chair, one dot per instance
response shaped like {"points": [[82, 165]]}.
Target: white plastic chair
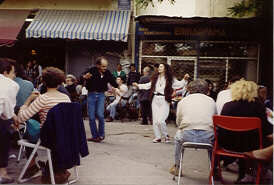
{"points": [[37, 146], [194, 145], [22, 148]]}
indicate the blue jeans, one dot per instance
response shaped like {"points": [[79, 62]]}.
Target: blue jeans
{"points": [[96, 103], [112, 107], [198, 136]]}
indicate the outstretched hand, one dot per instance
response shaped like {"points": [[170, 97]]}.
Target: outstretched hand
{"points": [[186, 77], [135, 84]]}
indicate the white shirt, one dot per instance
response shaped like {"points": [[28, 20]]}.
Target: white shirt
{"points": [[8, 92], [122, 91], [84, 91], [222, 98], [195, 111], [161, 84]]}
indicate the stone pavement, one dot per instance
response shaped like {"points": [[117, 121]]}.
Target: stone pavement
{"points": [[128, 156]]}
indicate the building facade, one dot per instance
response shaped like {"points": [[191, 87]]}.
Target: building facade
{"points": [[71, 34], [201, 38]]}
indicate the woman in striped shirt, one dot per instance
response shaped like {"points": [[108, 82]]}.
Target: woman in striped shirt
{"points": [[41, 104]]}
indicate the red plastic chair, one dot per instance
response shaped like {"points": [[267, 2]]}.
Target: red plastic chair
{"points": [[235, 124]]}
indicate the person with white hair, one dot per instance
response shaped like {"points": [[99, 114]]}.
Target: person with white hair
{"points": [[194, 119], [143, 96], [71, 82]]}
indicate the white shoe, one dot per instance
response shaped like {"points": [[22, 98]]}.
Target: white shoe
{"points": [[156, 140]]}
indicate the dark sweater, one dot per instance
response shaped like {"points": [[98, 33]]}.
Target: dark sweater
{"points": [[143, 95], [64, 134], [133, 77], [97, 83]]}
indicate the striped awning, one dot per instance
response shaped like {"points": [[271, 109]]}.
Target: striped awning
{"points": [[80, 24]]}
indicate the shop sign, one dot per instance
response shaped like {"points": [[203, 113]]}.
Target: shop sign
{"points": [[202, 32], [124, 4], [152, 32]]}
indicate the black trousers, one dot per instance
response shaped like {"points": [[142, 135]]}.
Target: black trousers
{"points": [[5, 137], [146, 111]]}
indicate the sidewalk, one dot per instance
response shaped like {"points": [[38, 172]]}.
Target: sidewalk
{"points": [[128, 156]]}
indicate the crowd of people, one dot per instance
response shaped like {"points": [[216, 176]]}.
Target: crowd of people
{"points": [[31, 91]]}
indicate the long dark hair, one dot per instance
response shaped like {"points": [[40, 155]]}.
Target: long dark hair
{"points": [[169, 81]]}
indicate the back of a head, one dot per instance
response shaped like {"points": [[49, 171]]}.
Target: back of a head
{"points": [[198, 86], [52, 77], [72, 77], [147, 70], [19, 68], [244, 90], [6, 65]]}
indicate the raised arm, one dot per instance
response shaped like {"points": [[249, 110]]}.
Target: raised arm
{"points": [[28, 110], [180, 84], [145, 86]]}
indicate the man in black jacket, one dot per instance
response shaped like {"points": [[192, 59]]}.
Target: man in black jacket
{"points": [[133, 76], [97, 79]]}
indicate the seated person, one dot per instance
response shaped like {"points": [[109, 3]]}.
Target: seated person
{"points": [[26, 87], [263, 97], [244, 104], [122, 89], [194, 119], [70, 85], [41, 104], [119, 73], [265, 154]]}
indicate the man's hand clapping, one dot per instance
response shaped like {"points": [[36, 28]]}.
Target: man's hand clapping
{"points": [[87, 76]]}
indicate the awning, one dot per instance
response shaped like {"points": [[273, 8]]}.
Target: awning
{"points": [[80, 24], [11, 22]]}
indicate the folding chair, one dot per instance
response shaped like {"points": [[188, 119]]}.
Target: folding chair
{"points": [[22, 148], [235, 124], [196, 146], [37, 146]]}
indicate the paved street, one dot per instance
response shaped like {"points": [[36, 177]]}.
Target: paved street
{"points": [[128, 156]]}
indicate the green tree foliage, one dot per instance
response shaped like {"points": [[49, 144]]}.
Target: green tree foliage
{"points": [[247, 7], [145, 3]]}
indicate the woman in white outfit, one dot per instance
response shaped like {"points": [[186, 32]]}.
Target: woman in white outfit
{"points": [[161, 88]]}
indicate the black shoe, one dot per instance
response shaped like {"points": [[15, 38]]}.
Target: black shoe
{"points": [[97, 140], [110, 119], [144, 123]]}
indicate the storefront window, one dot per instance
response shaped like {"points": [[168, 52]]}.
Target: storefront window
{"points": [[213, 70], [152, 61], [169, 49], [181, 67], [223, 49]]}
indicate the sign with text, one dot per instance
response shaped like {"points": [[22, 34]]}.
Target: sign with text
{"points": [[124, 4]]}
